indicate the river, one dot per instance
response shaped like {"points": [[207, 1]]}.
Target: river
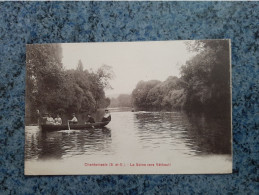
{"points": [[184, 143]]}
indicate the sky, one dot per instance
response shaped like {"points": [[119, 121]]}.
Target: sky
{"points": [[131, 61]]}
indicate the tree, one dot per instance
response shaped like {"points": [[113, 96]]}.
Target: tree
{"points": [[207, 77], [105, 74], [123, 100], [44, 76], [80, 66], [140, 93], [204, 84], [52, 89]]}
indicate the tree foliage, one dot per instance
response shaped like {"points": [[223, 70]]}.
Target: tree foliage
{"points": [[51, 88], [123, 100], [207, 77], [140, 93], [204, 83], [157, 95]]}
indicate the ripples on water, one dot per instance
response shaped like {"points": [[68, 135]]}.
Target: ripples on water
{"points": [[193, 135], [66, 143], [169, 133]]}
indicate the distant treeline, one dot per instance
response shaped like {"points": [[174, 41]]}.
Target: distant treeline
{"points": [[123, 100], [204, 84], [50, 88]]}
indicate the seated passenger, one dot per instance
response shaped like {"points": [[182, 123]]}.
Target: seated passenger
{"points": [[90, 119], [58, 120], [74, 119], [107, 116], [50, 120]]}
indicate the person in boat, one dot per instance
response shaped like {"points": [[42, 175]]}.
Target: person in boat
{"points": [[74, 119], [39, 118], [50, 120], [58, 120], [107, 116], [43, 119], [90, 119]]}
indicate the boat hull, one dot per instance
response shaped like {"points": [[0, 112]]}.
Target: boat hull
{"points": [[73, 126]]}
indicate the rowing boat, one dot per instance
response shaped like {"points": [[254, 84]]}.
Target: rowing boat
{"points": [[73, 126]]}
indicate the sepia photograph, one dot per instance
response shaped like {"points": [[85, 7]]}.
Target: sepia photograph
{"points": [[155, 107]]}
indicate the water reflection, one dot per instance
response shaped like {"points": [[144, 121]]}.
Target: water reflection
{"points": [[67, 143], [161, 133], [193, 134]]}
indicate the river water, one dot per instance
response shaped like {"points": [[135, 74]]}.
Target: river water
{"points": [[184, 143]]}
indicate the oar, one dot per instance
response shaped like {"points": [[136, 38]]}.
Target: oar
{"points": [[68, 125]]}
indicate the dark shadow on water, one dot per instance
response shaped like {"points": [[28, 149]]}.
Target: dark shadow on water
{"points": [[210, 134], [203, 134], [106, 131]]}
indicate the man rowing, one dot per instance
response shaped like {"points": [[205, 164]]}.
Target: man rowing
{"points": [[74, 119]]}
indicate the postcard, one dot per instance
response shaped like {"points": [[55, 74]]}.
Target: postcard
{"points": [[156, 107]]}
